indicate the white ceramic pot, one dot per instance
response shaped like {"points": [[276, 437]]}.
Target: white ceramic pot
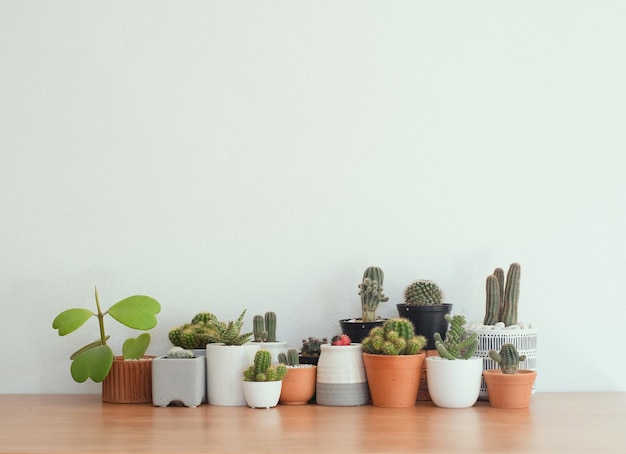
{"points": [[341, 378], [262, 394], [274, 348], [225, 366], [178, 380], [454, 383]]}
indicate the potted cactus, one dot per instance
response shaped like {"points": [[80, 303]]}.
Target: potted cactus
{"points": [[371, 294], [509, 386], [262, 382], [264, 333], [299, 383], [393, 358], [126, 378], [311, 349], [179, 377], [424, 306], [454, 376], [196, 335], [501, 325]]}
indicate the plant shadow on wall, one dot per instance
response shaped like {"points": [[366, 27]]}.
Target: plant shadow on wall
{"points": [[125, 379]]}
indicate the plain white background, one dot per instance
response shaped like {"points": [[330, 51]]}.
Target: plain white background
{"points": [[231, 155]]}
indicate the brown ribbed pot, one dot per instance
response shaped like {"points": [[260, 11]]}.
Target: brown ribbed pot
{"points": [[128, 382]]}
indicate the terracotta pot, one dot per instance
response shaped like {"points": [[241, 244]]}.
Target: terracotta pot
{"points": [[509, 390], [393, 380], [128, 382], [298, 385]]}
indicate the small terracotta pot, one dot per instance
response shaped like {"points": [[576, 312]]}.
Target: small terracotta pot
{"points": [[128, 382], [298, 385], [509, 390], [393, 380]]}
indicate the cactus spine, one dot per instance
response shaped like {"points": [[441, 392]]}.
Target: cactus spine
{"points": [[502, 296], [507, 358], [371, 292], [395, 337], [262, 370], [423, 293], [458, 344]]}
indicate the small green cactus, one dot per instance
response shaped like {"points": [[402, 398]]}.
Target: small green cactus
{"points": [[205, 329], [264, 327], [180, 353], [262, 370], [395, 337], [291, 358], [502, 296], [423, 293], [312, 346], [508, 358], [458, 343], [371, 293]]}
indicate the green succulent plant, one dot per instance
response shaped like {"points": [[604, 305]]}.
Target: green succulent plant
{"points": [[264, 327], [262, 369], [95, 359], [395, 337], [371, 293], [312, 346], [291, 358], [502, 296], [423, 293], [458, 344], [205, 329], [507, 358]]}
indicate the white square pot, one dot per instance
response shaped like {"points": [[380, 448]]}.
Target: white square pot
{"points": [[178, 380]]}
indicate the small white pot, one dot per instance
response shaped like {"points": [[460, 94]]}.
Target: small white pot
{"points": [[454, 383], [262, 394], [178, 380]]}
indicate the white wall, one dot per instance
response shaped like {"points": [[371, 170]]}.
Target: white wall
{"points": [[229, 155]]}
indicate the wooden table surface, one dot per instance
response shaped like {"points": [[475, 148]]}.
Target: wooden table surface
{"points": [[555, 422]]}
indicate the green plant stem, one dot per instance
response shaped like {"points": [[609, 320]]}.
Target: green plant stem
{"points": [[100, 316]]}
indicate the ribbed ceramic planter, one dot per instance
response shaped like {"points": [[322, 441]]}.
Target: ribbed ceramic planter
{"points": [[393, 380], [510, 390], [261, 394], [225, 366], [129, 381], [454, 383], [341, 379], [178, 380]]}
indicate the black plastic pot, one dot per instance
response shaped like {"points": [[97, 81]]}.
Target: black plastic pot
{"points": [[356, 330], [427, 320]]}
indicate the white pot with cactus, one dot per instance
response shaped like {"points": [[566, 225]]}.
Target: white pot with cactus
{"points": [[454, 377], [262, 382], [501, 326], [178, 377], [264, 334]]}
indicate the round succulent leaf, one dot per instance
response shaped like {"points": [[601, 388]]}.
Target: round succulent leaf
{"points": [[138, 312], [94, 363], [135, 348], [70, 320]]}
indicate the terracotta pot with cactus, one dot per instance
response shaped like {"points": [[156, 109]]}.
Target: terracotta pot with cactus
{"points": [[393, 358], [299, 383], [371, 294], [509, 387]]}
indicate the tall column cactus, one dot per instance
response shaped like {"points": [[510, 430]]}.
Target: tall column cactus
{"points": [[264, 327], [270, 326], [502, 296], [371, 292]]}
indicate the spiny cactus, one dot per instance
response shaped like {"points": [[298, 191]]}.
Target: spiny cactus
{"points": [[262, 370], [458, 343], [180, 353], [291, 358], [371, 292], [312, 346], [264, 327], [395, 337], [207, 329], [508, 358], [423, 293], [502, 296]]}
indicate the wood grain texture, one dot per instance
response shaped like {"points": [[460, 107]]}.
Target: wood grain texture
{"points": [[555, 422]]}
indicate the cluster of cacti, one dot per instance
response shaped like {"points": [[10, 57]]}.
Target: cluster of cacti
{"points": [[262, 369], [180, 353], [312, 346], [205, 329], [502, 296], [264, 327], [507, 358], [423, 293], [291, 358], [458, 343], [395, 337], [371, 292]]}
